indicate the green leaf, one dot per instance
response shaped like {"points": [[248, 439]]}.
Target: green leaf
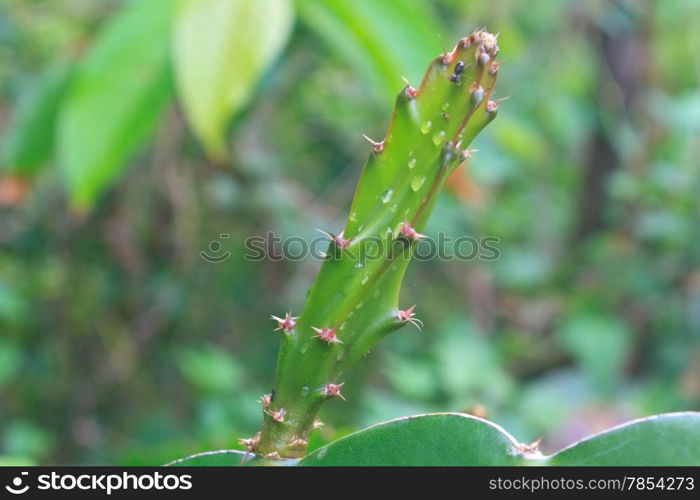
{"points": [[440, 439], [212, 458], [381, 39], [221, 47], [455, 439], [223, 458], [671, 439], [115, 102], [29, 142]]}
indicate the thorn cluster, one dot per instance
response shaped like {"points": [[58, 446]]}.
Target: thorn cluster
{"points": [[408, 316], [333, 391], [410, 233], [377, 147], [265, 400], [327, 335], [287, 324], [410, 91], [277, 416], [337, 239]]}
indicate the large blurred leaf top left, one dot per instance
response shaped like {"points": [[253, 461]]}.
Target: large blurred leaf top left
{"points": [[120, 91]]}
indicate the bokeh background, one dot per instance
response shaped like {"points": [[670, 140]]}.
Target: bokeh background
{"points": [[135, 134]]}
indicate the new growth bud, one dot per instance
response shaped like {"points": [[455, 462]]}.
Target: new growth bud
{"points": [[355, 295]]}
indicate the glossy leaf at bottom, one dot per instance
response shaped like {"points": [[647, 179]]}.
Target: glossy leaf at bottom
{"points": [[456, 439]]}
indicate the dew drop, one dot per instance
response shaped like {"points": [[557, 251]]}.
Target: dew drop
{"points": [[304, 390], [353, 217], [359, 305], [386, 195], [359, 265], [425, 128], [412, 163], [365, 278], [417, 183], [439, 138], [445, 106]]}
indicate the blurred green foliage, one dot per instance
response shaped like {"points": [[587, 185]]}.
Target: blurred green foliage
{"points": [[119, 344]]}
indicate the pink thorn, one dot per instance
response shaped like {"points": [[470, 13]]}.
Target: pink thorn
{"points": [[492, 106], [287, 324], [333, 390], [338, 240], [410, 233], [447, 58], [327, 335], [278, 416], [408, 316], [265, 400], [377, 147], [411, 92]]}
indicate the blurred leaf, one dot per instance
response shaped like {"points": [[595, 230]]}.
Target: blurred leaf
{"points": [[522, 269], [221, 48], [468, 366], [117, 97], [661, 440], [29, 142], [25, 438], [13, 307], [10, 359], [382, 39], [599, 344], [210, 369], [442, 439]]}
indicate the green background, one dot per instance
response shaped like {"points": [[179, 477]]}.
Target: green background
{"points": [[120, 344]]}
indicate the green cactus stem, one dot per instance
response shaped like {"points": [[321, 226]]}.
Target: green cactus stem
{"points": [[354, 301]]}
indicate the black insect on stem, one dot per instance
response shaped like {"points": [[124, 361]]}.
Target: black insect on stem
{"points": [[457, 75]]}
